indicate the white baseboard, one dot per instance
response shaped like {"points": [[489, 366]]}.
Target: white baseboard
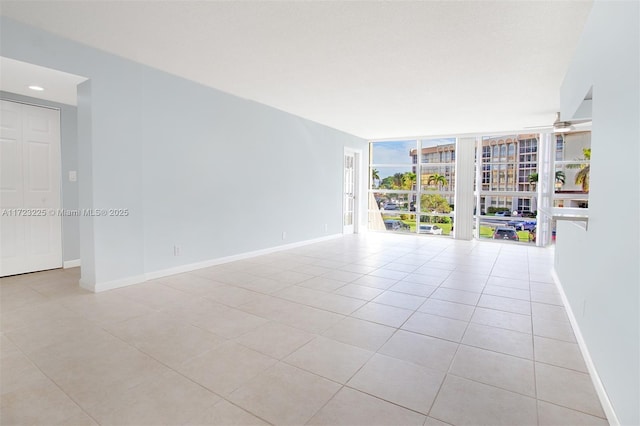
{"points": [[110, 285], [593, 372], [71, 263], [227, 259]]}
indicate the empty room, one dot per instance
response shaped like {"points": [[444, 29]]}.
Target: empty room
{"points": [[319, 212]]}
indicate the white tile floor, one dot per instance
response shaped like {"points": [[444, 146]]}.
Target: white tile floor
{"points": [[361, 330]]}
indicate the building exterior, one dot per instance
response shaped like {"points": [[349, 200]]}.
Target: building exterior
{"points": [[507, 164]]}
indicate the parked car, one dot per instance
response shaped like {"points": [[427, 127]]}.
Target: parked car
{"points": [[522, 225], [390, 206], [503, 213], [430, 229], [505, 233], [395, 225]]}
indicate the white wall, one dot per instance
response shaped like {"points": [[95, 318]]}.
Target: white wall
{"points": [[213, 173], [599, 268]]}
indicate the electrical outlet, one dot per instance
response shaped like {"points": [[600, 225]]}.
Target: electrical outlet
{"points": [[177, 250], [284, 235]]}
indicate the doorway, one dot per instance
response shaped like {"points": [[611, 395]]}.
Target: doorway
{"points": [[30, 221], [350, 191]]}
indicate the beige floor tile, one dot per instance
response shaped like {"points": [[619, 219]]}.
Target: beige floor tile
{"points": [[383, 314], [190, 283], [499, 340], [522, 284], [290, 277], [154, 294], [546, 297], [298, 294], [506, 304], [436, 326], [496, 369], [388, 273], [106, 307], [359, 292], [457, 296], [19, 298], [549, 312], [352, 408], [400, 300], [264, 285], [285, 395], [358, 268], [227, 414], [168, 399], [502, 319], [483, 405], [374, 281], [228, 322], [41, 403], [419, 349], [543, 288], [510, 292], [309, 319], [329, 358], [558, 353], [338, 304], [446, 309], [414, 387], [226, 367], [274, 339], [430, 280], [38, 336], [568, 388], [341, 275], [322, 284], [407, 287], [559, 330], [434, 422], [231, 295], [554, 415], [34, 315], [465, 285], [356, 332], [166, 339], [85, 369]]}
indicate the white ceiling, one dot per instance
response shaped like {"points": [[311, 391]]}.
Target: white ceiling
{"points": [[374, 69]]}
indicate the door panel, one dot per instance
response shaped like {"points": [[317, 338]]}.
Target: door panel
{"points": [[30, 159], [349, 193]]}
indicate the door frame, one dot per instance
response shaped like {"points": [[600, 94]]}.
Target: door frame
{"points": [[357, 188]]}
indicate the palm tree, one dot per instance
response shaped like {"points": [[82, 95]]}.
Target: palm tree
{"points": [[408, 180], [375, 177], [582, 177], [560, 177], [438, 180]]}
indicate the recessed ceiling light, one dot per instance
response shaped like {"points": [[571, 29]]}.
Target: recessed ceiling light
{"points": [[36, 88]]}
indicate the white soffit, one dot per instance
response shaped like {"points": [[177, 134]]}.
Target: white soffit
{"points": [[374, 69], [16, 77]]}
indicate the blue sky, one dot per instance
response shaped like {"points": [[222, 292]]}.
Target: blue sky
{"points": [[397, 152]]}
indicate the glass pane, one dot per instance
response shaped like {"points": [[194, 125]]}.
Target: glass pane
{"points": [[397, 152], [392, 203], [394, 178], [438, 150], [437, 178]]}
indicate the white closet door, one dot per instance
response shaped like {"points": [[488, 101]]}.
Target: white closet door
{"points": [[30, 228]]}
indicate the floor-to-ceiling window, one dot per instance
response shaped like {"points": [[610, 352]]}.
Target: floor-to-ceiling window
{"points": [[507, 173], [411, 186]]}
